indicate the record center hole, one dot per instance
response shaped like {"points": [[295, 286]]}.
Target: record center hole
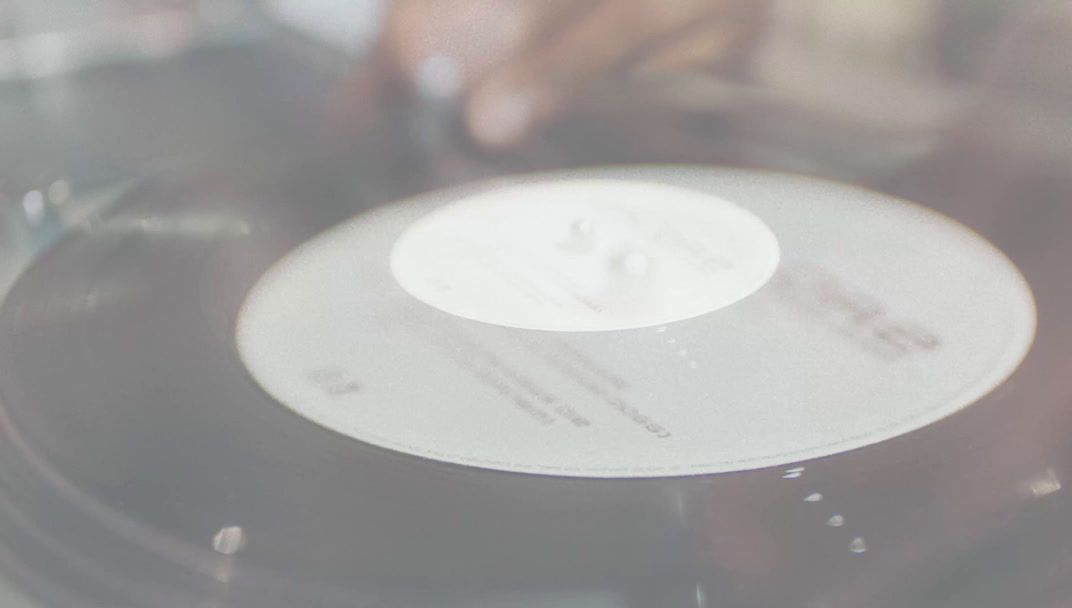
{"points": [[635, 264], [229, 540]]}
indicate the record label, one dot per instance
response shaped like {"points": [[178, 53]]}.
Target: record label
{"points": [[585, 255], [881, 317]]}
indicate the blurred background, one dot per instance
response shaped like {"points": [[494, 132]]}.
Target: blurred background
{"points": [[854, 89], [851, 88]]}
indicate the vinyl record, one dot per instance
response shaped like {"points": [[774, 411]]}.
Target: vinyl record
{"points": [[208, 400]]}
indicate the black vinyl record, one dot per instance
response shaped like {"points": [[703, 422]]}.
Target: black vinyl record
{"points": [[139, 452]]}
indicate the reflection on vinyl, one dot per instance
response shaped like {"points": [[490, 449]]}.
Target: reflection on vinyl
{"points": [[882, 318]]}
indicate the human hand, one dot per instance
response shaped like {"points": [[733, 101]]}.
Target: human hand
{"points": [[515, 64]]}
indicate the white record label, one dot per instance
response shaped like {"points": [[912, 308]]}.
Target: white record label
{"points": [[626, 322], [585, 255]]}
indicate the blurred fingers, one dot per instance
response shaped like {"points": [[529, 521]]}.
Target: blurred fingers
{"points": [[523, 93]]}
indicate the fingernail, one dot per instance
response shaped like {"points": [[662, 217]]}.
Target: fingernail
{"points": [[499, 118]]}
